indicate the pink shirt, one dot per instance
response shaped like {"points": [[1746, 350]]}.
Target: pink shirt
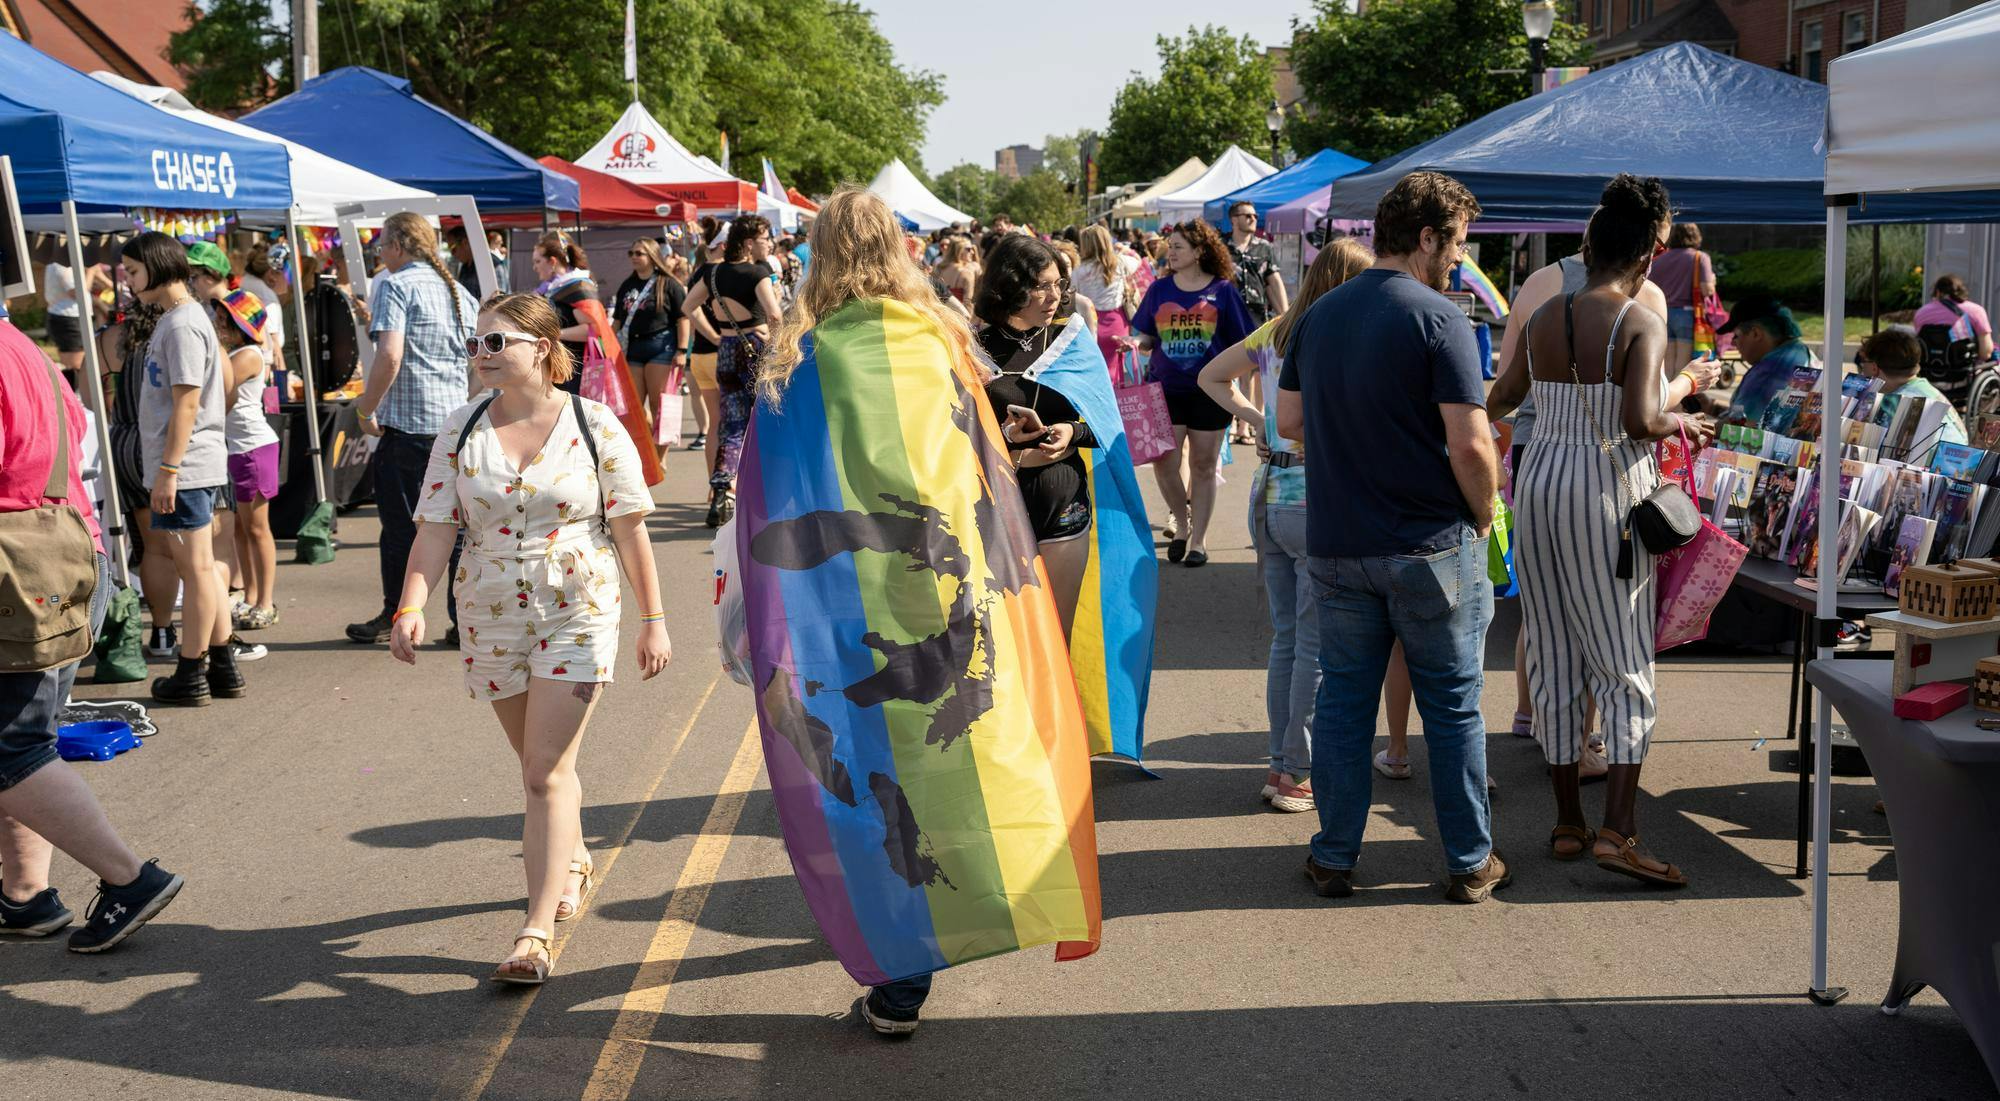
{"points": [[28, 431], [1972, 324]]}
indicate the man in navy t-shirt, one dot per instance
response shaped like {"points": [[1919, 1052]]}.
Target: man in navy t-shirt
{"points": [[1383, 385]]}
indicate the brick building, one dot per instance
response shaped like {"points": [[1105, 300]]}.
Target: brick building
{"points": [[119, 36], [1017, 161], [1798, 36]]}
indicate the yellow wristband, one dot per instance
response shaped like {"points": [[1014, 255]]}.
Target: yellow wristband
{"points": [[401, 612]]}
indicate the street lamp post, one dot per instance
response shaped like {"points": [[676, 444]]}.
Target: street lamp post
{"points": [[1274, 120], [1538, 19]]}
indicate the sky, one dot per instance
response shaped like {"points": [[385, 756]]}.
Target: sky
{"points": [[1016, 71]]}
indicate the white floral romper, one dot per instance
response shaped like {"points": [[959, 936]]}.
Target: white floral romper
{"points": [[538, 576]]}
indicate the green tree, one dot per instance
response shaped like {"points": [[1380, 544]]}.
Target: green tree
{"points": [[232, 53], [812, 84], [1062, 154], [969, 187], [1213, 90], [1405, 71], [1040, 199]]}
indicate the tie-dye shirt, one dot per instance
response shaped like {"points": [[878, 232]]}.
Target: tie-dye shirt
{"points": [[1275, 485], [1190, 327]]}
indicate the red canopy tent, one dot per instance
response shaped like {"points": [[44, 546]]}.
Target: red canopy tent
{"points": [[608, 200], [797, 198]]}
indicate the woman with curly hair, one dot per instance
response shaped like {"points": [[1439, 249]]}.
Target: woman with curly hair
{"points": [[1185, 320], [744, 303]]}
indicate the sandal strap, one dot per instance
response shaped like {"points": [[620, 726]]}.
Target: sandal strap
{"points": [[532, 933], [1581, 833]]}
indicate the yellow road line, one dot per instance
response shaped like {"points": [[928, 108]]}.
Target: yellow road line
{"points": [[474, 1087], [618, 1063]]}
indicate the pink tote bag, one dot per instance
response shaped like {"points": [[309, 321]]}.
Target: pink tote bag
{"points": [[1691, 580], [1142, 405], [597, 383], [667, 412]]}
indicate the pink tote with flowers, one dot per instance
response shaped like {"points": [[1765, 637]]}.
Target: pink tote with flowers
{"points": [[1691, 580], [1142, 405]]}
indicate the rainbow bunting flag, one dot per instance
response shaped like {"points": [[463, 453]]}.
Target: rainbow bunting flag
{"points": [[921, 726], [1470, 278], [1111, 642]]}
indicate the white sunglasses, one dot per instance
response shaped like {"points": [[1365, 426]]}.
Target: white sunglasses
{"points": [[495, 342]]}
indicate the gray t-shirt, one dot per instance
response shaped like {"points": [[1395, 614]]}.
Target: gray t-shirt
{"points": [[185, 352]]}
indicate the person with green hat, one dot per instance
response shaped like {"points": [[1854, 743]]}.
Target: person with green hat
{"points": [[1768, 337]]}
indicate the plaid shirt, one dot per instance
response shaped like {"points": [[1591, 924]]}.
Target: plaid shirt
{"points": [[434, 379]]}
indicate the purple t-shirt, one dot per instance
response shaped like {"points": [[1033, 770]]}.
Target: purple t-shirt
{"points": [[1673, 270], [1964, 326], [1190, 328]]}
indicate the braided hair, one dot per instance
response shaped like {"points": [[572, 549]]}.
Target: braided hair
{"points": [[414, 235]]}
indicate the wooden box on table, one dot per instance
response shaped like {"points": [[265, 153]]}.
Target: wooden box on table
{"points": [[1949, 593], [1986, 684]]}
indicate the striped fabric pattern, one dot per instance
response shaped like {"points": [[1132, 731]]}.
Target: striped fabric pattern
{"points": [[921, 726], [1589, 632]]}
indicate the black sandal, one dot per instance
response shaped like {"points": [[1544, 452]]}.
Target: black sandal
{"points": [[1196, 558], [1176, 549]]}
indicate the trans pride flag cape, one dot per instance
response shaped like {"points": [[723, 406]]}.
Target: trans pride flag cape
{"points": [[921, 727], [1111, 643]]}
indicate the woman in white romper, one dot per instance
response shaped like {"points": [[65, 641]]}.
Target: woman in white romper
{"points": [[546, 487], [1591, 631]]}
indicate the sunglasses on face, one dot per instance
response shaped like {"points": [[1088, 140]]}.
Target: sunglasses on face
{"points": [[495, 342]]}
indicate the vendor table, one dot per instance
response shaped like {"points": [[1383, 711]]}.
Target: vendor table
{"points": [[345, 451], [1777, 582], [1940, 782]]}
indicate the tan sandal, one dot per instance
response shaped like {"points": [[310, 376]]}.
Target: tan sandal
{"points": [[1626, 860], [537, 958], [1582, 835], [570, 903]]}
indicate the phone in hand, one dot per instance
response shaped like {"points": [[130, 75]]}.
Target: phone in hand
{"points": [[1024, 423]]}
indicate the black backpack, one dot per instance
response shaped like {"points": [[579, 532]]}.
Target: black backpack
{"points": [[1948, 362], [330, 337]]}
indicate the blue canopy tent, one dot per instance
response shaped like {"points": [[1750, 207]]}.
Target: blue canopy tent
{"points": [[76, 144], [1307, 176], [1734, 142], [374, 121]]}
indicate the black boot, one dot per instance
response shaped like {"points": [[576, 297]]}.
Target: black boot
{"points": [[225, 677], [187, 687]]}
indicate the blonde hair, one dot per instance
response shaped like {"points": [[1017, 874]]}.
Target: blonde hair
{"points": [[1342, 259], [857, 254], [1066, 253], [532, 314], [661, 272], [1096, 248], [413, 234]]}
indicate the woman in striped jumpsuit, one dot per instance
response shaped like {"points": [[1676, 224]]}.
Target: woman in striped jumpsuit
{"points": [[1590, 630]]}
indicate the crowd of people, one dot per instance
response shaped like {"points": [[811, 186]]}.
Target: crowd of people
{"points": [[1363, 395]]}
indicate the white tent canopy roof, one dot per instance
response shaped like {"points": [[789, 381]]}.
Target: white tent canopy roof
{"points": [[1189, 171], [899, 187], [1907, 114], [1232, 171], [319, 182], [637, 148]]}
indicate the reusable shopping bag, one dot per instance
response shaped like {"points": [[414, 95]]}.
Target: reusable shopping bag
{"points": [[667, 412], [1500, 551], [120, 660], [732, 629], [1691, 580], [1142, 405], [315, 538], [598, 383]]}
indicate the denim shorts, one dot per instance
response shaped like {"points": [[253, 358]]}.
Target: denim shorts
{"points": [[29, 704], [193, 510], [1680, 323], [657, 348]]}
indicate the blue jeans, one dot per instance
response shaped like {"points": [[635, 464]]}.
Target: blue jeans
{"points": [[905, 995], [1291, 678], [1438, 603]]}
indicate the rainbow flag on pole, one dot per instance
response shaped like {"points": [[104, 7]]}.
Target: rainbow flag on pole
{"points": [[1470, 278], [921, 726], [1111, 643]]}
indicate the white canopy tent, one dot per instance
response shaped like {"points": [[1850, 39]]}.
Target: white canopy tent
{"points": [[1188, 172], [1904, 115], [900, 188], [639, 149], [1232, 171]]}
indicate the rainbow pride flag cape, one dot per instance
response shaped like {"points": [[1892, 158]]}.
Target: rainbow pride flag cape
{"points": [[1111, 643], [921, 726]]}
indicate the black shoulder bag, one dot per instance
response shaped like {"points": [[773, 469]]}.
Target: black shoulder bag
{"points": [[1665, 519]]}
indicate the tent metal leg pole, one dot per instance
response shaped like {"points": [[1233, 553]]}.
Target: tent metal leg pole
{"points": [[305, 360], [113, 522], [1827, 608]]}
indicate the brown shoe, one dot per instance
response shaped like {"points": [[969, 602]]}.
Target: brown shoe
{"points": [[1330, 882], [1476, 886]]}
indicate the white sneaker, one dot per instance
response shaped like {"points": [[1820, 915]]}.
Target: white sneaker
{"points": [[1391, 767]]}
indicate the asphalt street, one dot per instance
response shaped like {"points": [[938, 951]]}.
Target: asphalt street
{"points": [[350, 833]]}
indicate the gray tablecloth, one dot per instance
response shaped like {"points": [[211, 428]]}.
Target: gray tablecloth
{"points": [[1940, 781]]}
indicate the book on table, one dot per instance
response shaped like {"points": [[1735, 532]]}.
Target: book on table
{"points": [[1913, 548]]}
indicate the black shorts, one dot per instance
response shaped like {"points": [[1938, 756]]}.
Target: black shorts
{"points": [[66, 332], [1196, 412]]}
